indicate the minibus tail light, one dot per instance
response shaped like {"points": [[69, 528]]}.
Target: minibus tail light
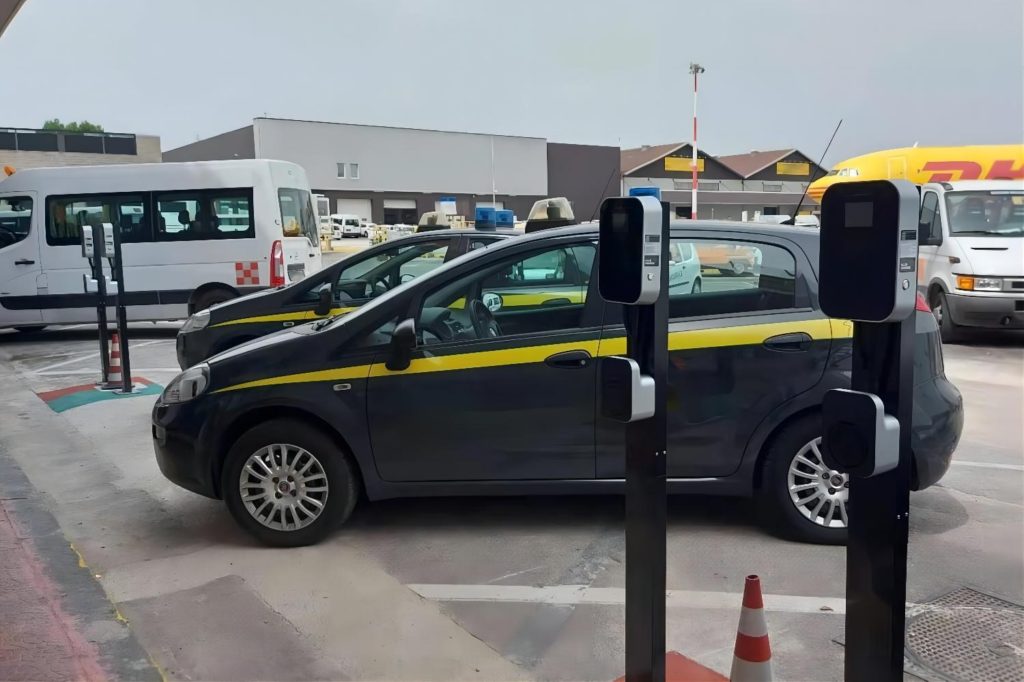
{"points": [[277, 264]]}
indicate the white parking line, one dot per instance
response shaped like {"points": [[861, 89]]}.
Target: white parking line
{"points": [[95, 354], [140, 370], [614, 596], [989, 465]]}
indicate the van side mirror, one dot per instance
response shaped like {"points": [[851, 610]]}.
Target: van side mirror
{"points": [[323, 302], [403, 343]]}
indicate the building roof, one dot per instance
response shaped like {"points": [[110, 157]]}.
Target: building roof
{"points": [[754, 162], [633, 159]]}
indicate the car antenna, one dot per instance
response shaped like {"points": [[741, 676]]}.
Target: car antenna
{"points": [[604, 190], [792, 219]]}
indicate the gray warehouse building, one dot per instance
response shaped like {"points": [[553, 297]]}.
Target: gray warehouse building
{"points": [[393, 175]]}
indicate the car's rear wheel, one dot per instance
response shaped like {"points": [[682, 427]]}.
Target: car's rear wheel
{"points": [[739, 267], [288, 483], [804, 498], [695, 289], [948, 330]]}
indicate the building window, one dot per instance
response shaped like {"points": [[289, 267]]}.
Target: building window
{"points": [[353, 171], [341, 170], [773, 187], [709, 186]]}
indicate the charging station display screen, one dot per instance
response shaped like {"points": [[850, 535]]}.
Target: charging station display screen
{"points": [[859, 213], [621, 254]]}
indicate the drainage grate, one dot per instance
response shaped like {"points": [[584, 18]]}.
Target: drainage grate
{"points": [[966, 636]]}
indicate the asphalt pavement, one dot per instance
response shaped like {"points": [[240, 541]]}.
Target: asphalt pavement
{"points": [[471, 588]]}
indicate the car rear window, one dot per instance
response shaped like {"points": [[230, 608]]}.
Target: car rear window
{"points": [[730, 277]]}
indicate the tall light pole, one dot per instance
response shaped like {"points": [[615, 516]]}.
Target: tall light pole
{"points": [[695, 69]]}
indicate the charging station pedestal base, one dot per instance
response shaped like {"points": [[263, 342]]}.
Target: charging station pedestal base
{"points": [[876, 552]]}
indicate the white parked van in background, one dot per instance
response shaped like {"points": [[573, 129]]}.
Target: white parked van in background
{"points": [[971, 266], [348, 225], [194, 234]]}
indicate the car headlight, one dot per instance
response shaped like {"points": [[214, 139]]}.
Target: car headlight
{"points": [[188, 385], [971, 283], [196, 322]]}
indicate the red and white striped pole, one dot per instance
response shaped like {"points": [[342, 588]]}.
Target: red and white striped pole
{"points": [[695, 69]]}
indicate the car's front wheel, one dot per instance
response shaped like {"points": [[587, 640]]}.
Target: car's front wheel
{"points": [[804, 498], [288, 483], [949, 330]]}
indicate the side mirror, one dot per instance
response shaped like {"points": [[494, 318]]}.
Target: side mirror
{"points": [[403, 343], [323, 302]]}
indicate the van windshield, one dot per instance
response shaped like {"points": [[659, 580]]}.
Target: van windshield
{"points": [[991, 213], [297, 217]]}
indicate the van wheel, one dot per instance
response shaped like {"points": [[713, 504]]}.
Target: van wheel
{"points": [[288, 484], [948, 330], [695, 289], [211, 297], [31, 328], [803, 498]]}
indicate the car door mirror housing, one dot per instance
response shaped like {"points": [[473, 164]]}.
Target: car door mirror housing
{"points": [[403, 343], [323, 302]]}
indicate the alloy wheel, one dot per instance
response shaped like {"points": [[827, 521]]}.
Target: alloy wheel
{"points": [[819, 493], [284, 487]]}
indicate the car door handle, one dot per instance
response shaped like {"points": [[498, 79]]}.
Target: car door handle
{"points": [[24, 261], [570, 359], [789, 343]]}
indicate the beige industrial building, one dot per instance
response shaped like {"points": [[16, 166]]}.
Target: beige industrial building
{"points": [[22, 148]]}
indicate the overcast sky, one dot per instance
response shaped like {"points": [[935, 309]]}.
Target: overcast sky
{"points": [[780, 73]]}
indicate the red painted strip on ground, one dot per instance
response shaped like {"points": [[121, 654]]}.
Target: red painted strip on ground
{"points": [[679, 668], [47, 396], [39, 639], [753, 649]]}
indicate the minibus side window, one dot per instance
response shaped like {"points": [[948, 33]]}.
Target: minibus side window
{"points": [[15, 219]]}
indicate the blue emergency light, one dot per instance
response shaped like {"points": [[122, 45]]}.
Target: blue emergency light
{"points": [[505, 218], [645, 192], [486, 218]]}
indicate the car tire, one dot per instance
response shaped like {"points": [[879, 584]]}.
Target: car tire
{"points": [[211, 297], [781, 470], [949, 330], [31, 328], [285, 446], [696, 288], [739, 267]]}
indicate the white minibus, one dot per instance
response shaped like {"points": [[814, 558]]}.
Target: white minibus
{"points": [[193, 234]]}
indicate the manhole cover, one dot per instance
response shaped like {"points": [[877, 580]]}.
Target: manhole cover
{"points": [[966, 636]]}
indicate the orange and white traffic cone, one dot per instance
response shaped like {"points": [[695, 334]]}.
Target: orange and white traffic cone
{"points": [[114, 378], [752, 658]]}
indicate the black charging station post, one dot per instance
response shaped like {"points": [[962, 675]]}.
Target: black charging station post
{"points": [[94, 243], [634, 390], [869, 275], [876, 551], [117, 274]]}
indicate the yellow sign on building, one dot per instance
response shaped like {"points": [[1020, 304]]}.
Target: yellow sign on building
{"points": [[792, 168], [682, 163]]}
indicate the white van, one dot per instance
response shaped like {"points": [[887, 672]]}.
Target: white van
{"points": [[971, 262], [194, 234], [348, 225]]}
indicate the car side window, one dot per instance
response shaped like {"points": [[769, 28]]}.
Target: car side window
{"points": [[710, 277], [544, 291], [377, 274], [15, 219]]}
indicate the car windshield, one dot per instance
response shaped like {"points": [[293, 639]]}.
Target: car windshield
{"points": [[990, 213]]}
